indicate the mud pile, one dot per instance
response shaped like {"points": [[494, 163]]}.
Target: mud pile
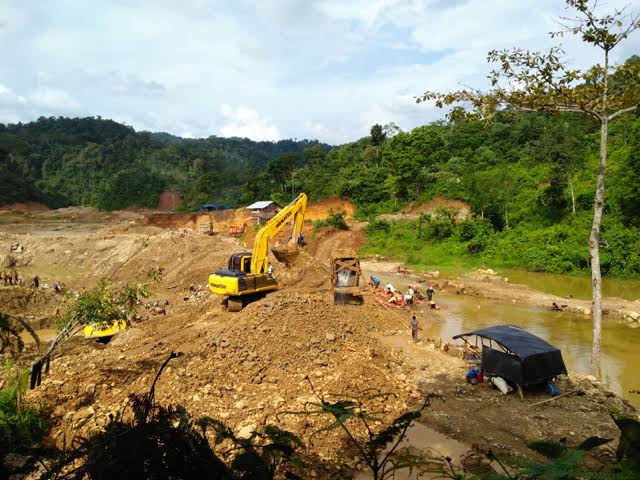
{"points": [[242, 368]]}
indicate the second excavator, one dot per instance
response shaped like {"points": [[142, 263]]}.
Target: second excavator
{"points": [[248, 275]]}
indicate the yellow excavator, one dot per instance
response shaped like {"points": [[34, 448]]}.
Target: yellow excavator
{"points": [[248, 275]]}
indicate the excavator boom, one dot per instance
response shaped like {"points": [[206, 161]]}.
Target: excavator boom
{"points": [[248, 273], [260, 255]]}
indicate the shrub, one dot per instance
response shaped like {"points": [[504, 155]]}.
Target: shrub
{"points": [[334, 219], [378, 227], [20, 426]]}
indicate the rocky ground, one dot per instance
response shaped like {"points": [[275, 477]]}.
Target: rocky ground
{"points": [[247, 367]]}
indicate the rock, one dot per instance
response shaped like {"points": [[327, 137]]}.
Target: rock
{"points": [[8, 261], [246, 431], [634, 316], [240, 404], [586, 311], [330, 337], [14, 461], [90, 389]]}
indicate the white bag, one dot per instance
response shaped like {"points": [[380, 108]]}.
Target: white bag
{"points": [[501, 384]]}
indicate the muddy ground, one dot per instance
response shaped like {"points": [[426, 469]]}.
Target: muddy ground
{"points": [[245, 368]]}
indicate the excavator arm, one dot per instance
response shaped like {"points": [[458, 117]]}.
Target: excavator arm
{"points": [[260, 255]]}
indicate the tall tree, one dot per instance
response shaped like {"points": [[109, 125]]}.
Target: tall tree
{"points": [[537, 81], [378, 136]]}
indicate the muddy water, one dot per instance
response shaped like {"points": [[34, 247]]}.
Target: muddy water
{"points": [[571, 333], [44, 335], [578, 287], [431, 443]]}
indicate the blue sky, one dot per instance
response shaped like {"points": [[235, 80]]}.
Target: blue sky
{"points": [[266, 70]]}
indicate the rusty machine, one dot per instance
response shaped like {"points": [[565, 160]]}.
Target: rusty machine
{"points": [[345, 278]]}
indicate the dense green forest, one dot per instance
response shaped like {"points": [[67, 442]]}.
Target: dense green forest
{"points": [[101, 163], [529, 179]]}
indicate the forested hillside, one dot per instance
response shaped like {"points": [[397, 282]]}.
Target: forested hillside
{"points": [[101, 163], [529, 179]]}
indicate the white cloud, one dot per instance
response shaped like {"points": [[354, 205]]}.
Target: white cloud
{"points": [[53, 99], [246, 123], [319, 68], [8, 98]]}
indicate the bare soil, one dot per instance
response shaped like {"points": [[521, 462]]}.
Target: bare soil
{"points": [[246, 367]]}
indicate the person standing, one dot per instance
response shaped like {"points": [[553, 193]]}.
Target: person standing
{"points": [[430, 293], [414, 328]]}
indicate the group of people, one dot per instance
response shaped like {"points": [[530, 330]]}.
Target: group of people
{"points": [[10, 278], [404, 298]]}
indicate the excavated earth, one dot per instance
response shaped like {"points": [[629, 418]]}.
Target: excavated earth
{"points": [[247, 368]]}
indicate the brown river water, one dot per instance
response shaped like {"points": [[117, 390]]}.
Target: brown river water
{"points": [[577, 287]]}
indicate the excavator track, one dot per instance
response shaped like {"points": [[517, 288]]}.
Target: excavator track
{"points": [[234, 304]]}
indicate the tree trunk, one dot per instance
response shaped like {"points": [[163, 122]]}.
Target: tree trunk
{"points": [[573, 197], [594, 252], [594, 238]]}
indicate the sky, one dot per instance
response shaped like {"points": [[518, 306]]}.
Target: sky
{"points": [[263, 69]]}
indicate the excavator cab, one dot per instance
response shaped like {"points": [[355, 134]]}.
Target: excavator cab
{"points": [[240, 262]]}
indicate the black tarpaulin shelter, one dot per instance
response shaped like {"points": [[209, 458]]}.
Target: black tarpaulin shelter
{"points": [[514, 354]]}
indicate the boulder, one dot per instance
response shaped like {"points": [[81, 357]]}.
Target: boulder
{"points": [[8, 261]]}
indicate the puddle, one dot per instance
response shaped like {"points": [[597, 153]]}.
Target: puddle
{"points": [[433, 444], [44, 334]]}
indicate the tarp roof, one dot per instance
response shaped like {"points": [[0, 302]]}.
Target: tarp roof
{"points": [[259, 205], [515, 339]]}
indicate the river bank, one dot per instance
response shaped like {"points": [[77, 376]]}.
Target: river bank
{"points": [[486, 283], [468, 303]]}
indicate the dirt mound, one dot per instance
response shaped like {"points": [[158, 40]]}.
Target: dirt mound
{"points": [[38, 307], [330, 240], [25, 207], [169, 200], [243, 368], [305, 272], [321, 209], [413, 212]]}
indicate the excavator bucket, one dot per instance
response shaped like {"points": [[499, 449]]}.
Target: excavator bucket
{"points": [[286, 254]]}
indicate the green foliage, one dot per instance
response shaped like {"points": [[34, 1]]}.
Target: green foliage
{"points": [[378, 136], [96, 162], [557, 248], [377, 227], [165, 442], [629, 446], [20, 425], [105, 304], [564, 463], [334, 220]]}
